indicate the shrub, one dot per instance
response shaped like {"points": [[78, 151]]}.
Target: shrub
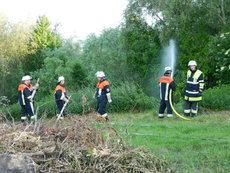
{"points": [[126, 97], [217, 98]]}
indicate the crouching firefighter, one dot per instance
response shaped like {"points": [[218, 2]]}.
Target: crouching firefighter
{"points": [[25, 90], [166, 83], [60, 95], [193, 90], [102, 94]]}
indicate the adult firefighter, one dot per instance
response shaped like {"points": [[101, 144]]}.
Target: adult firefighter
{"points": [[102, 94], [166, 83], [25, 90], [193, 90], [60, 95]]}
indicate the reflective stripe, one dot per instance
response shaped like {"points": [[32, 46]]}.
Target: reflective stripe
{"points": [[202, 84], [99, 92], [104, 115], [194, 111], [197, 74], [192, 92], [160, 92], [167, 92], [201, 81], [170, 115], [195, 83], [23, 99], [193, 98], [187, 111], [23, 118], [161, 115]]}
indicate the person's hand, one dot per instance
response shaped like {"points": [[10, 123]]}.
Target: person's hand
{"points": [[110, 100]]}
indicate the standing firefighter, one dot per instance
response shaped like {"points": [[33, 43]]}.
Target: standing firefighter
{"points": [[60, 95], [25, 90], [166, 83], [102, 94], [194, 89]]}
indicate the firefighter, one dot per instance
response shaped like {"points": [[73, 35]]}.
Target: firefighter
{"points": [[193, 90], [166, 83], [102, 94], [25, 90], [60, 95]]}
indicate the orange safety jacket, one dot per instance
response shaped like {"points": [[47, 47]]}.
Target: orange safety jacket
{"points": [[166, 83], [23, 93], [59, 91]]}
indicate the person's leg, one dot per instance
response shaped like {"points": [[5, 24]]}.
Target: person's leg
{"points": [[194, 108], [162, 109], [169, 109], [23, 113], [60, 105], [187, 108]]}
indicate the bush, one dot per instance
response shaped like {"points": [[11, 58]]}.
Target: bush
{"points": [[126, 97], [217, 98]]}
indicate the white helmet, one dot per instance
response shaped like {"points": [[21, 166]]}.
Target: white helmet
{"points": [[61, 78], [168, 68], [27, 77], [100, 74], [192, 63]]}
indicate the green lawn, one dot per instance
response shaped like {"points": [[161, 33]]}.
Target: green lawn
{"points": [[199, 145]]}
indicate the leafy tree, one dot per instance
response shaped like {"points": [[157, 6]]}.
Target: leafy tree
{"points": [[43, 37], [106, 53], [220, 58], [13, 48]]}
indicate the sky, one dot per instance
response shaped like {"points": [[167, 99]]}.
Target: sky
{"points": [[76, 18]]}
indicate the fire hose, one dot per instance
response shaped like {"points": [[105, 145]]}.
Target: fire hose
{"points": [[170, 101]]}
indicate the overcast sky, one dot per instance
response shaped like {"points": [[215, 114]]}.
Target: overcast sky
{"points": [[76, 17]]}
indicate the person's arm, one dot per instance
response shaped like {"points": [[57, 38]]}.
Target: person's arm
{"points": [[107, 91], [27, 94], [173, 86], [201, 83]]}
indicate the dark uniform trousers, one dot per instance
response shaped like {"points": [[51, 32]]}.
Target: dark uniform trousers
{"points": [[101, 104], [163, 105]]}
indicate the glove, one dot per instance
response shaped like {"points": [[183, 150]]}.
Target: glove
{"points": [[66, 100], [30, 98], [94, 95], [37, 85], [109, 97]]}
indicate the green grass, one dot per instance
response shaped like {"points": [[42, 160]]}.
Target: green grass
{"points": [[199, 145]]}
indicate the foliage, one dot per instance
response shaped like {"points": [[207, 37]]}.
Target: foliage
{"points": [[43, 37], [220, 58], [13, 48], [60, 62], [141, 45], [126, 97], [105, 53], [217, 98]]}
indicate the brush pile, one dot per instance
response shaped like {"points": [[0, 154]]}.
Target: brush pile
{"points": [[77, 144]]}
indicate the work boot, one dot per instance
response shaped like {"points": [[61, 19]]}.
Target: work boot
{"points": [[193, 115], [186, 114], [107, 119], [161, 115]]}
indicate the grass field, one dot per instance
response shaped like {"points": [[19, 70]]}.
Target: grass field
{"points": [[199, 145]]}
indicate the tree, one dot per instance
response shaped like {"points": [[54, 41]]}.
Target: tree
{"points": [[43, 37], [13, 48]]}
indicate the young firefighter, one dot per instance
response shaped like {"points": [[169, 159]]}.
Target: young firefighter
{"points": [[25, 90], [60, 95], [102, 94], [166, 83], [194, 89]]}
